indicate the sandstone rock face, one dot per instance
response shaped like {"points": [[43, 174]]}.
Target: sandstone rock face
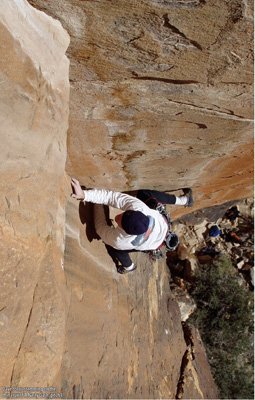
{"points": [[160, 97], [161, 94], [124, 337], [34, 119], [197, 379]]}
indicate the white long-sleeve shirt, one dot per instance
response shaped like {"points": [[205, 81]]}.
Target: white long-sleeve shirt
{"points": [[117, 237]]}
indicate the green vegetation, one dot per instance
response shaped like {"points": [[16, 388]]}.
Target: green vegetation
{"points": [[224, 317]]}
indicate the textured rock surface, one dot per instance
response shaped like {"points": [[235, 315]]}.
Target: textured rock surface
{"points": [[124, 337], [161, 94], [197, 379], [160, 97], [34, 113], [124, 333]]}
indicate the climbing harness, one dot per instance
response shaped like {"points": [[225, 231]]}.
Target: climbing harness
{"points": [[171, 240]]}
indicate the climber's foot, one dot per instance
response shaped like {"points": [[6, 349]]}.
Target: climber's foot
{"points": [[188, 193]]}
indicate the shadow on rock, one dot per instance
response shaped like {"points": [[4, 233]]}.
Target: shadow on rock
{"points": [[86, 213]]}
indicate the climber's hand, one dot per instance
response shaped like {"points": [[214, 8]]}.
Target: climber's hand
{"points": [[78, 193]]}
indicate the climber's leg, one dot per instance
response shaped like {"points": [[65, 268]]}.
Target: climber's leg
{"points": [[147, 196]]}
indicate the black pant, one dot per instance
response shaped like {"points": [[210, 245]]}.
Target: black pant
{"points": [[148, 197], [120, 256]]}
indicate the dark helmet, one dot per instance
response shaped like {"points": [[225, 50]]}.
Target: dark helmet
{"points": [[171, 241]]}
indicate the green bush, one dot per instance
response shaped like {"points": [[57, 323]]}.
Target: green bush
{"points": [[224, 317]]}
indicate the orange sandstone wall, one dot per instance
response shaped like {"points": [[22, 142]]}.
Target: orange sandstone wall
{"points": [[34, 95], [161, 94]]}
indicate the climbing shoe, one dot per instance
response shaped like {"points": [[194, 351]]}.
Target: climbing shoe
{"points": [[126, 270], [188, 193]]}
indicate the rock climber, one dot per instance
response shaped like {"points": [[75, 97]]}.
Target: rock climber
{"points": [[139, 227]]}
